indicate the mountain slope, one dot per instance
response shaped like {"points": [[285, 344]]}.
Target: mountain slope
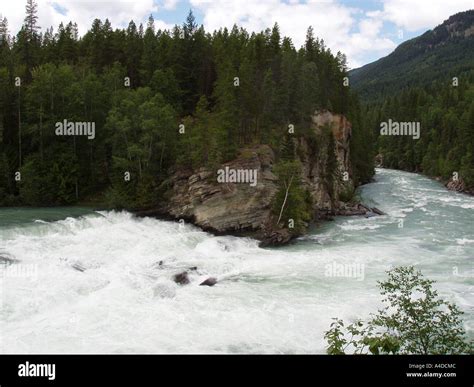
{"points": [[446, 51], [415, 85]]}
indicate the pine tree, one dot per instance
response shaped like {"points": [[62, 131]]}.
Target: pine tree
{"points": [[190, 26], [31, 19], [28, 37], [149, 59]]}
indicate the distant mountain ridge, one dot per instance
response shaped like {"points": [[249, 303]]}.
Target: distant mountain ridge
{"points": [[445, 51]]}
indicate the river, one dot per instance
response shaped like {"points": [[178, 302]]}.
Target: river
{"points": [[91, 282]]}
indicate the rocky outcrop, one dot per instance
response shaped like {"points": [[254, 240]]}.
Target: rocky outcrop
{"points": [[245, 208], [278, 237], [341, 129], [226, 208], [357, 209], [459, 185], [314, 157], [379, 160]]}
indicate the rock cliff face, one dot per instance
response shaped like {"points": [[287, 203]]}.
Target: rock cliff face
{"points": [[325, 193], [459, 186], [226, 207], [242, 208]]}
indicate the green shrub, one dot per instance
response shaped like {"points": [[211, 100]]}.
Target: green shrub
{"points": [[414, 321]]}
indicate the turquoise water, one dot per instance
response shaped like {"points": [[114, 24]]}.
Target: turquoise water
{"points": [[21, 216]]}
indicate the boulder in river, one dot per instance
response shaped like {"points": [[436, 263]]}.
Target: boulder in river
{"points": [[277, 238], [211, 281], [181, 278]]}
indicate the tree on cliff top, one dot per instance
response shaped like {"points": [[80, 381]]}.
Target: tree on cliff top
{"points": [[292, 204]]}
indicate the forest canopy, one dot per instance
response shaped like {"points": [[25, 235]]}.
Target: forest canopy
{"points": [[139, 85]]}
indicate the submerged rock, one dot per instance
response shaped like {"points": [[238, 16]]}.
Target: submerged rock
{"points": [[377, 211], [277, 238], [78, 267], [211, 281], [5, 260], [158, 265], [181, 278], [359, 209]]}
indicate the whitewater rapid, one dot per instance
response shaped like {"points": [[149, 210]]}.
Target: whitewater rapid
{"points": [[93, 283]]}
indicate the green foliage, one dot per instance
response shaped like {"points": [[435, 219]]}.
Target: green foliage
{"points": [[347, 194], [288, 148], [6, 199], [164, 82], [414, 320], [292, 203], [51, 181], [362, 152], [359, 338], [204, 138], [446, 117], [143, 139]]}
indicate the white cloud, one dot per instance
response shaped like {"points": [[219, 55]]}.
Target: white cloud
{"points": [[83, 12], [331, 21], [414, 16], [368, 39]]}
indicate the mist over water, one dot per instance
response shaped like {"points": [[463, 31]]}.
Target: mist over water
{"points": [[92, 281]]}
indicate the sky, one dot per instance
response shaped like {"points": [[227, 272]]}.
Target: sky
{"points": [[364, 30]]}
